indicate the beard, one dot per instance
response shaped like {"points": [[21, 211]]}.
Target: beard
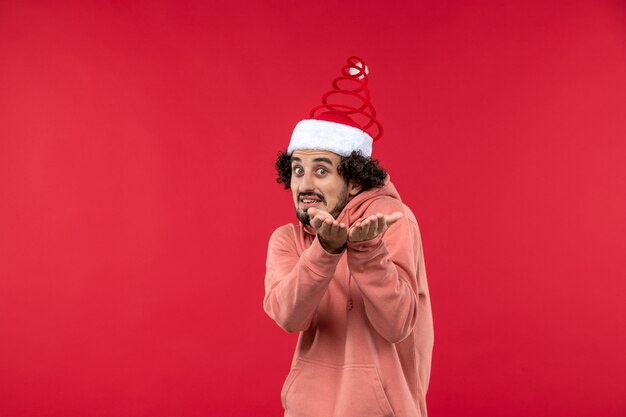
{"points": [[304, 218]]}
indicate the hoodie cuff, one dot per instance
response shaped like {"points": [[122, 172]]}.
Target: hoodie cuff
{"points": [[321, 262]]}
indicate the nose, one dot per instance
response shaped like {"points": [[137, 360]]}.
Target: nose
{"points": [[306, 183]]}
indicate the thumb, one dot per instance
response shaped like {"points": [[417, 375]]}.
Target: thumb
{"points": [[393, 217], [312, 212]]}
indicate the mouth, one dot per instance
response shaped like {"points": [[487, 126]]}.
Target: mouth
{"points": [[307, 201]]}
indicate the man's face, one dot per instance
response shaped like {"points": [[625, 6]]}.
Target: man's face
{"points": [[316, 182]]}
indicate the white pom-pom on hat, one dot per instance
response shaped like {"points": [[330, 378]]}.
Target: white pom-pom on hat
{"points": [[354, 71]]}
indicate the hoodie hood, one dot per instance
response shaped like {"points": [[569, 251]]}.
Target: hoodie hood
{"points": [[358, 205]]}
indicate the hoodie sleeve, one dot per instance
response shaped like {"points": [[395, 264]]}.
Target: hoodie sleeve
{"points": [[385, 270], [295, 284]]}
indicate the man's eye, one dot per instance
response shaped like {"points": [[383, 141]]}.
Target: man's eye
{"points": [[321, 171], [298, 171]]}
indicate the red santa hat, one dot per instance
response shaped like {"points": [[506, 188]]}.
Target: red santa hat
{"points": [[345, 121]]}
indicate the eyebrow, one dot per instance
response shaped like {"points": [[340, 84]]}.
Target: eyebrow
{"points": [[327, 160], [321, 159]]}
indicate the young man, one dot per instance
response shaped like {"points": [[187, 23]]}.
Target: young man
{"points": [[351, 276]]}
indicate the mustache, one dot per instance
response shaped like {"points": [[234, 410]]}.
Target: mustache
{"points": [[321, 197]]}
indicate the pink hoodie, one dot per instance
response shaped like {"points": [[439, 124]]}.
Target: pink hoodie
{"points": [[364, 315]]}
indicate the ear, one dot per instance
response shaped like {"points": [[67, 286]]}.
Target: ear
{"points": [[354, 189]]}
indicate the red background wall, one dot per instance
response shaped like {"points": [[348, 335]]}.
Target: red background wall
{"points": [[137, 196]]}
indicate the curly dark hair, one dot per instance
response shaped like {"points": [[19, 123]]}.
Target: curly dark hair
{"points": [[356, 168]]}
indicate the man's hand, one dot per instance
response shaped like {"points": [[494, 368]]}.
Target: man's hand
{"points": [[372, 226], [332, 235]]}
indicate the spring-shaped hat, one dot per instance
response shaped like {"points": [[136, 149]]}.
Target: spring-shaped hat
{"points": [[346, 120]]}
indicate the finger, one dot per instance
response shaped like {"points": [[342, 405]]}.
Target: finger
{"points": [[371, 232], [382, 224], [365, 224], [362, 230], [353, 233], [338, 232], [324, 231], [327, 224], [393, 217], [334, 227], [343, 232], [317, 221], [374, 229], [320, 217], [354, 227], [314, 212]]}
